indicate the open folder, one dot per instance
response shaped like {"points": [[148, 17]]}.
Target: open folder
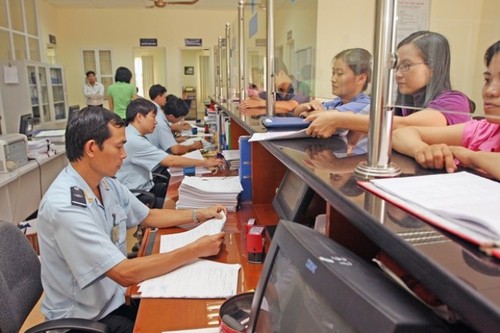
{"points": [[461, 203]]}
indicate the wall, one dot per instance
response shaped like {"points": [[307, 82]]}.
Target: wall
{"points": [[76, 29], [341, 25]]}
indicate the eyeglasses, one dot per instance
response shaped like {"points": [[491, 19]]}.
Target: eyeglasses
{"points": [[403, 68]]}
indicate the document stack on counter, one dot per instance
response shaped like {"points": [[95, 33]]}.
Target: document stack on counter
{"points": [[233, 158], [199, 192], [461, 203], [195, 154], [54, 135], [40, 148], [200, 279]]}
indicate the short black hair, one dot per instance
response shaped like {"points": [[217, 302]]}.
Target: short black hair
{"points": [[139, 105], [90, 123], [123, 74], [90, 73], [156, 90], [176, 107]]}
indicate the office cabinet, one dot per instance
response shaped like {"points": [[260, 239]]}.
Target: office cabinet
{"points": [[33, 88]]}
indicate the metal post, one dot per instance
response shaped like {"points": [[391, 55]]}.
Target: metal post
{"points": [[221, 90], [381, 110], [216, 72], [228, 63], [270, 59], [241, 50]]}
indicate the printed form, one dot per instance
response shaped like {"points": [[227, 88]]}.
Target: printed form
{"points": [[200, 279]]}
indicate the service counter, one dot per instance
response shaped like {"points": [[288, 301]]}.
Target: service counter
{"points": [[460, 275]]}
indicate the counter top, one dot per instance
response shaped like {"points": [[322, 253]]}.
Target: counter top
{"points": [[463, 277]]}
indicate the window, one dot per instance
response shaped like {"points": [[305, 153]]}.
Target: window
{"points": [[99, 61], [19, 30]]}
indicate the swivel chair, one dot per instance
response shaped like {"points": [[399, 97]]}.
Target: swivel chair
{"points": [[21, 286]]}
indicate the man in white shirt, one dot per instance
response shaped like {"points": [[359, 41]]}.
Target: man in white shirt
{"points": [[93, 90]]}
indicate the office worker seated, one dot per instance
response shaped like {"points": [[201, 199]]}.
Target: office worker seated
{"points": [[82, 224], [163, 137], [143, 156], [475, 144], [351, 74], [424, 88], [287, 98]]}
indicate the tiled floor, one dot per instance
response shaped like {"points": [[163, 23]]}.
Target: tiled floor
{"points": [[36, 316]]}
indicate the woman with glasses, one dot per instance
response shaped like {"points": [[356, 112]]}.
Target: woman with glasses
{"points": [[475, 144], [424, 91]]}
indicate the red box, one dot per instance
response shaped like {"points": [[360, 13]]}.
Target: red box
{"points": [[255, 244]]}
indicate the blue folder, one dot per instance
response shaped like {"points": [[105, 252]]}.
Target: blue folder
{"points": [[284, 122]]}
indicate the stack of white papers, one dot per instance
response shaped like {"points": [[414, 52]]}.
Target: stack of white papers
{"points": [[200, 279], [199, 192], [195, 154], [55, 135], [233, 158], [40, 148]]}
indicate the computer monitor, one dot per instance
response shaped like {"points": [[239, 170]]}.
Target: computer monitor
{"points": [[309, 283], [72, 110], [26, 124], [292, 197]]}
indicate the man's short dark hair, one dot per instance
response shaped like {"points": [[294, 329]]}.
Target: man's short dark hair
{"points": [[89, 73], [176, 107], [139, 105], [156, 90], [90, 123]]}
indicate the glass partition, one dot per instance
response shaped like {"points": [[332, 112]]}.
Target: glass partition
{"points": [[324, 51]]}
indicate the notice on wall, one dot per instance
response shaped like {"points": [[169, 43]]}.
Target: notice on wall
{"points": [[413, 15], [10, 75]]}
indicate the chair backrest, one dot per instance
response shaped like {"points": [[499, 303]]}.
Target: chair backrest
{"points": [[20, 281]]}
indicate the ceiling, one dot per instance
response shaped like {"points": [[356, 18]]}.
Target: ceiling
{"points": [[117, 4]]}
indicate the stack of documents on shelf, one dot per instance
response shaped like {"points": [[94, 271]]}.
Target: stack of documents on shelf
{"points": [[40, 148], [54, 135], [279, 135], [233, 158], [199, 192], [461, 203], [195, 154], [200, 279]]}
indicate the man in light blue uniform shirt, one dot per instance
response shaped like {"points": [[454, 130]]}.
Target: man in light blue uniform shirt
{"points": [[162, 137], [82, 223], [143, 157]]}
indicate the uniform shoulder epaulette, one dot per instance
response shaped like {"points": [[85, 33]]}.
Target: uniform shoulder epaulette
{"points": [[78, 197]]}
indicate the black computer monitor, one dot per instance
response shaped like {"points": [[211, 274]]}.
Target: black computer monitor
{"points": [[72, 110], [292, 197], [26, 124], [309, 283]]}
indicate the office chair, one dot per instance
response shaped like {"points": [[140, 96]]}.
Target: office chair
{"points": [[21, 286]]}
